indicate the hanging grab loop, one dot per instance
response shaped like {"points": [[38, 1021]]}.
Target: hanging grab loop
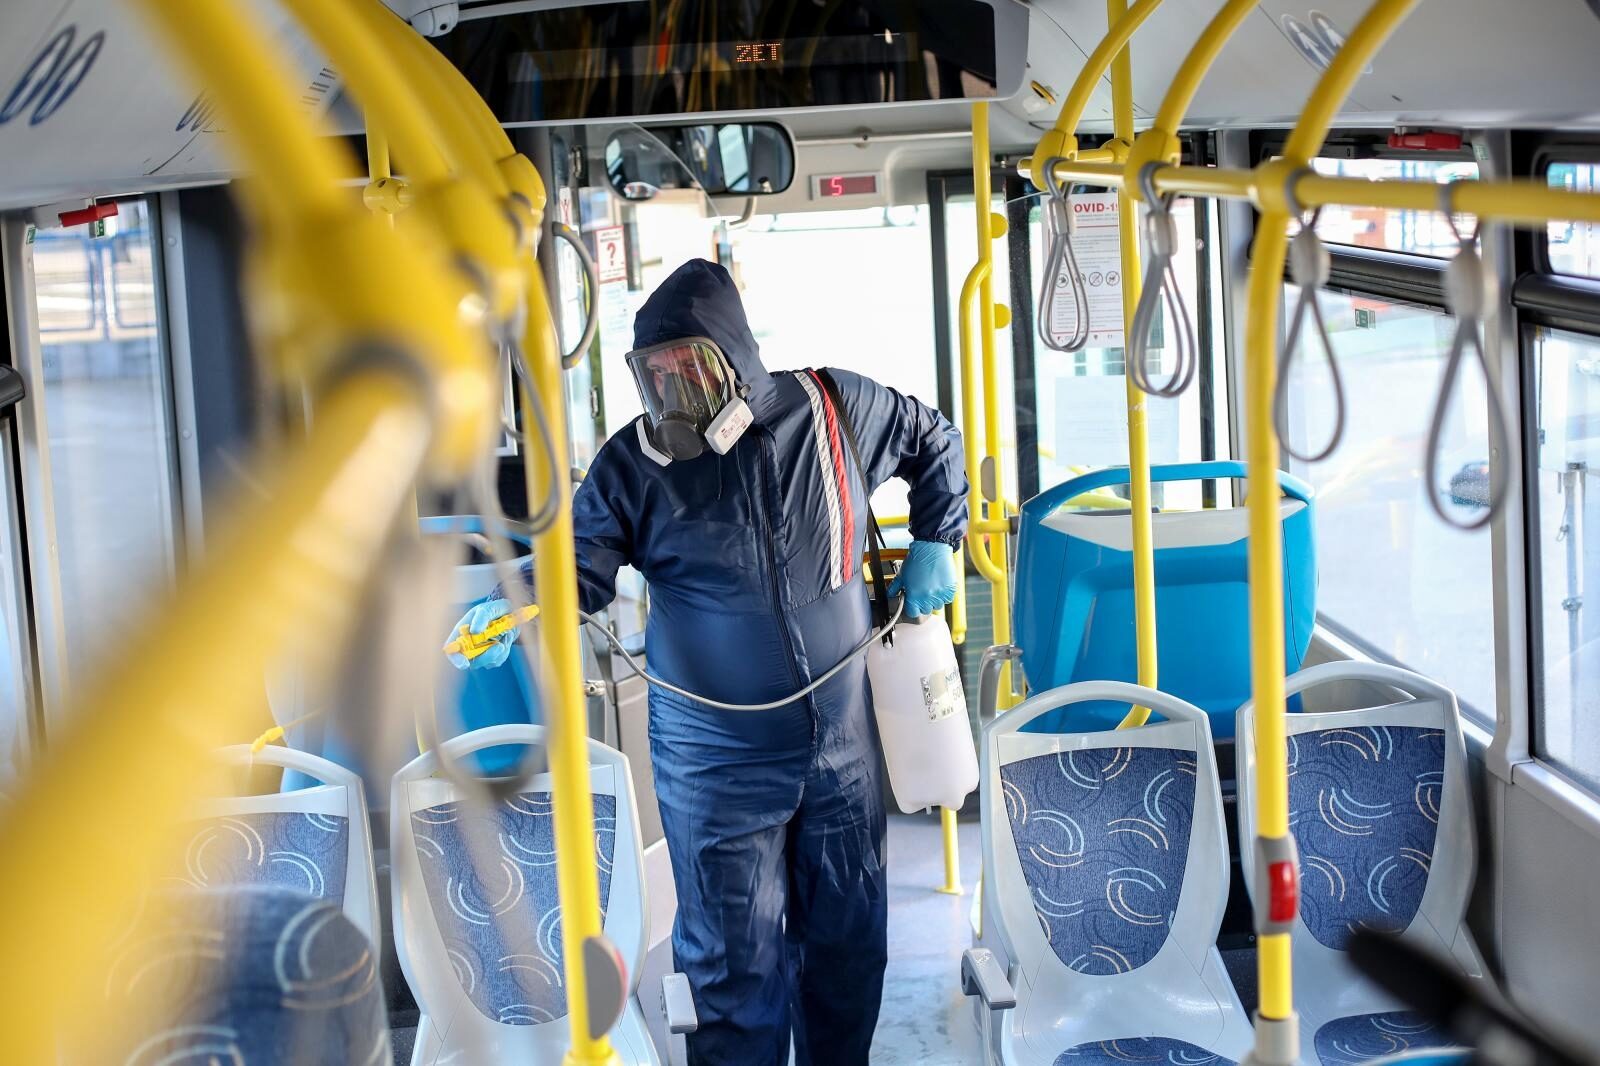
{"points": [[1161, 285], [1471, 293], [1310, 266], [1061, 268]]}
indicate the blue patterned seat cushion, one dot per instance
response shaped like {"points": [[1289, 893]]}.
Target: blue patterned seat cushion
{"points": [[1364, 809], [500, 915], [1364, 1037], [1153, 1049], [1103, 836], [305, 852], [252, 976]]}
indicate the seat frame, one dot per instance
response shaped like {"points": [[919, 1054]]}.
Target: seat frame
{"points": [[341, 794], [1170, 996], [1326, 986], [452, 1029]]}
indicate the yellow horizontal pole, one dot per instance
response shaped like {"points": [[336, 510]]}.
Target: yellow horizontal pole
{"points": [[1514, 201], [292, 563]]}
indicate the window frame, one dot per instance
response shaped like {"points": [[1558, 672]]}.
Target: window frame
{"points": [[45, 606], [1542, 297]]}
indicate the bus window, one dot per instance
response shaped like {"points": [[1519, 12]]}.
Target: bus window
{"points": [[1417, 232], [1081, 396], [107, 426], [846, 289], [1567, 610], [1375, 529], [1575, 246]]}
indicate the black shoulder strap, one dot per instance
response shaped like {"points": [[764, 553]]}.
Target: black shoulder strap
{"points": [[875, 545]]}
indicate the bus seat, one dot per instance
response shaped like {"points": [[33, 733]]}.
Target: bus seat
{"points": [[479, 941], [316, 840], [1105, 872], [1381, 814], [252, 973], [1074, 606]]}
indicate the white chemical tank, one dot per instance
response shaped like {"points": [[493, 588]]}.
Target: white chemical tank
{"points": [[922, 716]]}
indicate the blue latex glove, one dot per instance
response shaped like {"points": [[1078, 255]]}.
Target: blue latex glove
{"points": [[927, 578], [476, 620]]}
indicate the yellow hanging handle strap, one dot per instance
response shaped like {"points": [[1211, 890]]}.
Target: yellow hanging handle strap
{"points": [[472, 645]]}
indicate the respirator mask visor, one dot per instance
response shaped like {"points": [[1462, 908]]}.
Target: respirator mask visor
{"points": [[691, 397]]}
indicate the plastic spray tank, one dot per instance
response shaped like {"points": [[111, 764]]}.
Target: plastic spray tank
{"points": [[922, 715]]}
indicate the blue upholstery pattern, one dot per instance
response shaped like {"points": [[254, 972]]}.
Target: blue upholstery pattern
{"points": [[1364, 1037], [502, 925], [305, 852], [260, 976], [1157, 1049], [1364, 809], [1103, 836]]}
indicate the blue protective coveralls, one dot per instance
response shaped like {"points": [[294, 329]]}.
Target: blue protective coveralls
{"points": [[775, 819]]}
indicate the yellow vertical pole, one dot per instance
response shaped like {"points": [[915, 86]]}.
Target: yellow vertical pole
{"points": [[1144, 567], [1277, 1029], [996, 568], [565, 706]]}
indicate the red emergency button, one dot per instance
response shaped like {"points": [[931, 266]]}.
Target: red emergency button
{"points": [[92, 213], [1283, 892]]}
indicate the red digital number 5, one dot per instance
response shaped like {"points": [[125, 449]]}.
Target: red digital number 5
{"points": [[835, 186]]}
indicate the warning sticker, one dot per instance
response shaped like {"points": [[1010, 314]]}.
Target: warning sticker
{"points": [[941, 695], [610, 257], [1097, 240]]}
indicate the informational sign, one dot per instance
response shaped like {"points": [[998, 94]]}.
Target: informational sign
{"points": [[1092, 422], [564, 205], [1097, 241], [610, 254]]}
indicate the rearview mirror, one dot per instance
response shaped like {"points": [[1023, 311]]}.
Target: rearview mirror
{"points": [[722, 159]]}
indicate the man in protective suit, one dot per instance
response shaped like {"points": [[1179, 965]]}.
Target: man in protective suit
{"points": [[737, 496]]}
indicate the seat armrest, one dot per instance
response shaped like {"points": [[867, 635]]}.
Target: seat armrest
{"points": [[982, 976], [677, 1004]]}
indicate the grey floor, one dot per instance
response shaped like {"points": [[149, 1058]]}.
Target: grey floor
{"points": [[925, 1019]]}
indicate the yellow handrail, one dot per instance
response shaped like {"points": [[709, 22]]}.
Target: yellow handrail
{"points": [[1061, 140], [481, 147], [1277, 1028], [1512, 201], [1160, 142], [1139, 506], [566, 707], [149, 724], [404, 389]]}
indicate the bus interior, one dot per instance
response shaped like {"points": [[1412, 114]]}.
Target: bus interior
{"points": [[1269, 332]]}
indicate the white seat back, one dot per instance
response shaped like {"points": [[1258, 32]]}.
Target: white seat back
{"points": [[477, 916], [1381, 812], [1106, 875], [315, 840]]}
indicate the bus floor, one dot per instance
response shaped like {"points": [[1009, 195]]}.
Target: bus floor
{"points": [[925, 1021]]}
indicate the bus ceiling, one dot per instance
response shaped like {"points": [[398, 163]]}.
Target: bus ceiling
{"points": [[84, 111]]}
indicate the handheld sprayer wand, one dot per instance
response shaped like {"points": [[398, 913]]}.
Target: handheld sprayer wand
{"points": [[472, 645]]}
